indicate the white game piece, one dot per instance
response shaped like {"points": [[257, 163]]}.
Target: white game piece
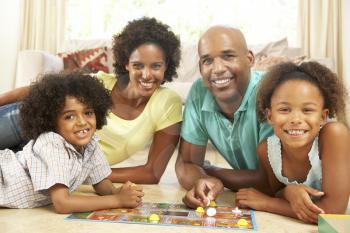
{"points": [[211, 212], [237, 211]]}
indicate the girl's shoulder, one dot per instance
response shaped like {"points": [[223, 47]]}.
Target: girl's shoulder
{"points": [[333, 130], [334, 139], [262, 149]]}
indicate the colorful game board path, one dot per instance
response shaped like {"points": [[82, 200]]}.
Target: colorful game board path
{"points": [[168, 214]]}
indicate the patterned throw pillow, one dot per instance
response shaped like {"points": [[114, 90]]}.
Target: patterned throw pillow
{"points": [[263, 63], [91, 60]]}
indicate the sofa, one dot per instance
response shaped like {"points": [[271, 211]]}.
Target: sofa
{"points": [[98, 55]]}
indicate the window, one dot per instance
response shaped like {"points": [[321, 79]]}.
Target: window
{"points": [[260, 21]]}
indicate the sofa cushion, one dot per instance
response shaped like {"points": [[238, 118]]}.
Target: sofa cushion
{"points": [[91, 60]]}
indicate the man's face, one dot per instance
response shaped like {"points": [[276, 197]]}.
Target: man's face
{"points": [[225, 63]]}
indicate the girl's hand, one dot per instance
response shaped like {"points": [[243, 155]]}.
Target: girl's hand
{"points": [[298, 196], [252, 198], [130, 195]]}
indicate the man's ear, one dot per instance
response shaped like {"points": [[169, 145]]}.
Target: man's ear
{"points": [[268, 115], [324, 116], [126, 67], [251, 58]]}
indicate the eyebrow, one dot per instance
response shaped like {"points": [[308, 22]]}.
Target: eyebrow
{"points": [[228, 51], [287, 103]]}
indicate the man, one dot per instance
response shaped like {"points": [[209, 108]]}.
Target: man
{"points": [[221, 108]]}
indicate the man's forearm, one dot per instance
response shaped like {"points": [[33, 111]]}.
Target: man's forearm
{"points": [[237, 179], [189, 173]]}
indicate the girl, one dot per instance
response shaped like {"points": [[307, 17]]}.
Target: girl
{"points": [[306, 154], [143, 112], [60, 115]]}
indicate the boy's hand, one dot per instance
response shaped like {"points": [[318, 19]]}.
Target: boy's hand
{"points": [[252, 198], [130, 195], [298, 196]]}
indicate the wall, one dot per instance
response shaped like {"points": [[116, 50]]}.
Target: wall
{"points": [[346, 48], [346, 40], [9, 34]]}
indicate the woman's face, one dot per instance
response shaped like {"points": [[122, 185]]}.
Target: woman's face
{"points": [[146, 68]]}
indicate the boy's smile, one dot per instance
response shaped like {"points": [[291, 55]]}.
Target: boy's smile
{"points": [[76, 123]]}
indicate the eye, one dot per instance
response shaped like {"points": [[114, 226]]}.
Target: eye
{"points": [[69, 117], [89, 113], [308, 110], [156, 66], [207, 61], [283, 110], [228, 57], [137, 66]]}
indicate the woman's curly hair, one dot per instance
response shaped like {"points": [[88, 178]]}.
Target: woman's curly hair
{"points": [[46, 99], [330, 86], [142, 31]]}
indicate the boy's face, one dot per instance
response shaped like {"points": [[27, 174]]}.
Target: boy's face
{"points": [[76, 123], [296, 113]]}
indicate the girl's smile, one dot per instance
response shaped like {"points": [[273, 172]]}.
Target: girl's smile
{"points": [[297, 112]]}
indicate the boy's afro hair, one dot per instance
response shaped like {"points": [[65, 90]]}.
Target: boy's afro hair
{"points": [[46, 98]]}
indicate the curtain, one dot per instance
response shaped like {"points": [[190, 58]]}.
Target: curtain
{"points": [[42, 24], [320, 34], [320, 30]]}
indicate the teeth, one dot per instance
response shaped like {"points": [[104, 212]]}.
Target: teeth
{"points": [[296, 132], [82, 133], [221, 81], [147, 85]]}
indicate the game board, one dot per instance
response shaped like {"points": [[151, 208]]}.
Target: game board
{"points": [[172, 214]]}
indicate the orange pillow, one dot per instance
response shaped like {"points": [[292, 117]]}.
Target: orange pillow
{"points": [[91, 60]]}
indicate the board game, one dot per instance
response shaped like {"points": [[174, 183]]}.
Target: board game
{"points": [[172, 214]]}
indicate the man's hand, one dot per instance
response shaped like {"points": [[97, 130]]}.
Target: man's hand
{"points": [[298, 196], [204, 190]]}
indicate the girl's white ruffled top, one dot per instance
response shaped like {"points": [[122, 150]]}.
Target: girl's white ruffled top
{"points": [[274, 152]]}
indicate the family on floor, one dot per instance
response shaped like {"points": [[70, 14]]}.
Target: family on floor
{"points": [[277, 130]]}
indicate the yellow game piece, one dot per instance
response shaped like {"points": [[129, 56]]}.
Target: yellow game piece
{"points": [[153, 218], [212, 203], [200, 210], [242, 222]]}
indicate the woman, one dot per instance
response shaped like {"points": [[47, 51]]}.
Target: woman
{"points": [[146, 55]]}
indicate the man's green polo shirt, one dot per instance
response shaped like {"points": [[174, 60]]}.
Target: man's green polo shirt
{"points": [[237, 141]]}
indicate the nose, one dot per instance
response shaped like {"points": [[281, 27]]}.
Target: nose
{"points": [[81, 120], [295, 118], [218, 66], [145, 73]]}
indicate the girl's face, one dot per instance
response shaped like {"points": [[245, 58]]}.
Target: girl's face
{"points": [[297, 112], [146, 68], [76, 123]]}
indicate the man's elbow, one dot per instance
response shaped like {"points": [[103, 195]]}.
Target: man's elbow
{"points": [[181, 174]]}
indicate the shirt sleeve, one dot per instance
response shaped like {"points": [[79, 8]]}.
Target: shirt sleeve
{"points": [[100, 169], [171, 110], [49, 164], [265, 131], [192, 129]]}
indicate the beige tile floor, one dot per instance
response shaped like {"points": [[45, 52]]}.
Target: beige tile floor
{"points": [[44, 219]]}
